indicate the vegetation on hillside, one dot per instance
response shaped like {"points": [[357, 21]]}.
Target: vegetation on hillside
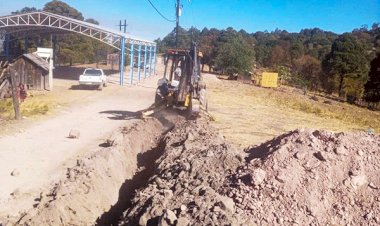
{"points": [[312, 58], [372, 87]]}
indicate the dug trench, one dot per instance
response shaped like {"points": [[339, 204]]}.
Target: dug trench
{"points": [[146, 167], [170, 171], [98, 188]]}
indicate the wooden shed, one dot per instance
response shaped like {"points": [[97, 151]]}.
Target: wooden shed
{"points": [[32, 71]]}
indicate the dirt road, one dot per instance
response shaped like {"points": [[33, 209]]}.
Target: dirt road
{"points": [[36, 158]]}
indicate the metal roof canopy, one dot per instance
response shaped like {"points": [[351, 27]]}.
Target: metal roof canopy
{"points": [[49, 21], [44, 22]]}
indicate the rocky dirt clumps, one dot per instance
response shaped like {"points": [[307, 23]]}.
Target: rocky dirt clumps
{"points": [[184, 190], [304, 177], [310, 177]]}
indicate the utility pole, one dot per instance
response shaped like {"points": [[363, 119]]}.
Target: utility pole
{"points": [[177, 15], [123, 25], [16, 104]]}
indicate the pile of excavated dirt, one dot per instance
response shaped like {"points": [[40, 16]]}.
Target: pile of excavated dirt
{"points": [[184, 188], [304, 177]]}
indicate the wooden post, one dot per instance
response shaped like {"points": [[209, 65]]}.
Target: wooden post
{"points": [[16, 104]]}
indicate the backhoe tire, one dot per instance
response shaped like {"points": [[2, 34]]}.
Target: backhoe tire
{"points": [[159, 97]]}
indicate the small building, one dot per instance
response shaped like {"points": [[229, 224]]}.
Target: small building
{"points": [[32, 71]]}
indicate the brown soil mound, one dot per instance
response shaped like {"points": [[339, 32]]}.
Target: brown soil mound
{"points": [[300, 178]]}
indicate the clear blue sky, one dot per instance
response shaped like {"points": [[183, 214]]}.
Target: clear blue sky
{"points": [[251, 15]]}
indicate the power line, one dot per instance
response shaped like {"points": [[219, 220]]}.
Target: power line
{"points": [[154, 7]]}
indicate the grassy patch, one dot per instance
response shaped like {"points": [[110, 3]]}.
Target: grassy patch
{"points": [[288, 98], [6, 108], [31, 107], [249, 114]]}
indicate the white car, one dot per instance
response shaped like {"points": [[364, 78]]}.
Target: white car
{"points": [[93, 77]]}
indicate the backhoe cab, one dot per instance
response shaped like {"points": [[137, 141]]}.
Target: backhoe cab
{"points": [[182, 86]]}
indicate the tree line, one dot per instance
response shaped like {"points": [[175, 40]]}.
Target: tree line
{"points": [[312, 58], [346, 64]]}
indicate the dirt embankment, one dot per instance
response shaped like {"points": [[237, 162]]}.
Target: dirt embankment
{"points": [[304, 177], [97, 187]]}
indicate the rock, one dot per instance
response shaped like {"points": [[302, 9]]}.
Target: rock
{"points": [[182, 221], [368, 215], [160, 183], [358, 181], [281, 177], [15, 173], [300, 155], [341, 150], [321, 156], [156, 211], [183, 208], [16, 193], [258, 176], [190, 136], [144, 219], [186, 166], [227, 203], [216, 209], [168, 193], [74, 134], [162, 221], [239, 157], [170, 216], [371, 185]]}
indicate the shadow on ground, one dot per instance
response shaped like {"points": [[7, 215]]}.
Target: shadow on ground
{"points": [[146, 161], [72, 73], [86, 87], [265, 149], [122, 115]]}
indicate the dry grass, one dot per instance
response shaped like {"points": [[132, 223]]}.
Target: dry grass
{"points": [[40, 103], [34, 105], [247, 114]]}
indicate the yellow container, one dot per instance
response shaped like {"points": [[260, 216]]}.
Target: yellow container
{"points": [[269, 79], [187, 100]]}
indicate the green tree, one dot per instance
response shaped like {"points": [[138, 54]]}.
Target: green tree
{"points": [[372, 87], [75, 48], [92, 21], [168, 42], [61, 8], [309, 68], [280, 55], [234, 55], [208, 46], [25, 10], [347, 59]]}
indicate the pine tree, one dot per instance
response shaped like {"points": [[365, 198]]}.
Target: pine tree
{"points": [[372, 87], [347, 60]]}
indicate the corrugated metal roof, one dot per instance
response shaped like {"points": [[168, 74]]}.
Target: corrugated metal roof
{"points": [[37, 61]]}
